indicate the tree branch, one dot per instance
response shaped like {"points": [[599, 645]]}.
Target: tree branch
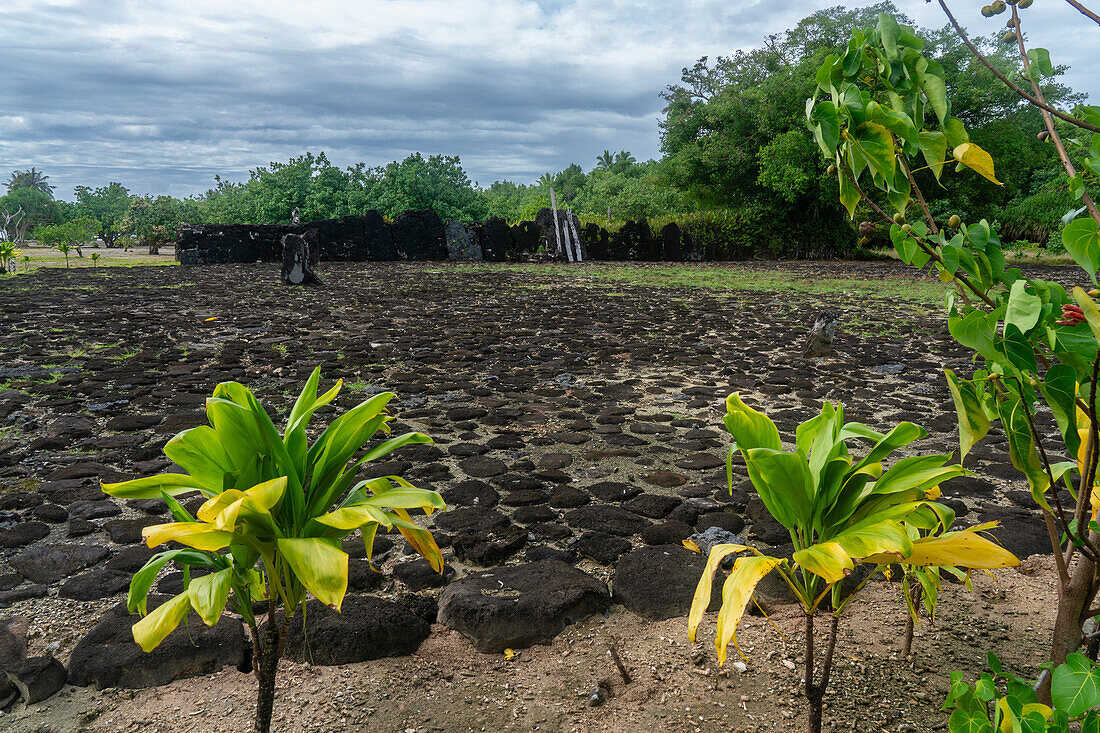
{"points": [[1041, 104], [1084, 11], [1054, 136]]}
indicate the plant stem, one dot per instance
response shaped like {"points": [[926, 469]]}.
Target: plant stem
{"points": [[1045, 111], [1084, 11], [1041, 104], [815, 693]]}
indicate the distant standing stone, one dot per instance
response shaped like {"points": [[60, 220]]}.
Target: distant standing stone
{"points": [[462, 243], [301, 253], [823, 333]]}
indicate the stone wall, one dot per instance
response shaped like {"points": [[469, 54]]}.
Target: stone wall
{"points": [[422, 235]]}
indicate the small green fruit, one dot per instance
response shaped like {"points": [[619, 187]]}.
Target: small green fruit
{"points": [[987, 11], [1008, 38], [908, 229], [998, 6], [1043, 135], [830, 171], [899, 218], [954, 222], [1026, 3]]}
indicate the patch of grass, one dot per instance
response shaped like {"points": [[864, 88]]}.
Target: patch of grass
{"points": [[358, 385], [280, 348], [730, 278], [9, 432]]}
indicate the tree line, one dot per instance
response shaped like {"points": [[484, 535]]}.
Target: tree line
{"points": [[733, 138]]}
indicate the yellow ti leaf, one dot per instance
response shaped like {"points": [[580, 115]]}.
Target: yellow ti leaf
{"points": [[747, 572], [320, 565], [965, 549], [208, 595], [701, 599], [199, 535], [827, 560], [151, 630]]}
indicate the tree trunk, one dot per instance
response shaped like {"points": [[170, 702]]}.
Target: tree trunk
{"points": [[1073, 604], [266, 666], [815, 693]]}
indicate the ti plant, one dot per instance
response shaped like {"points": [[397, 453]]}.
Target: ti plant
{"points": [[276, 510], [8, 255], [841, 511], [877, 109], [980, 708]]}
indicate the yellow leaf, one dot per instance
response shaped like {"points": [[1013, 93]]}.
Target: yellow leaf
{"points": [[701, 599], [320, 565], [747, 572], [208, 595], [509, 654], [977, 160], [828, 560], [212, 318], [199, 535], [151, 630], [965, 549], [691, 546]]}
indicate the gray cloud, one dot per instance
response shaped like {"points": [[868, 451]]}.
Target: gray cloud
{"points": [[162, 98]]}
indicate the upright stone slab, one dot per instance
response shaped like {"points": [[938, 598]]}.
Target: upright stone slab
{"points": [[378, 238], [596, 240], [419, 235], [823, 333], [670, 243], [547, 234], [462, 243], [527, 236], [497, 243], [301, 253]]}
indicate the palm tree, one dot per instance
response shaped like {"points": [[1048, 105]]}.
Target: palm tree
{"points": [[605, 160], [546, 180], [623, 161], [33, 179]]}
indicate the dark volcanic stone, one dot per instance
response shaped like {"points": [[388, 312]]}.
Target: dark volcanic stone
{"points": [[70, 426], [366, 628], [654, 506], [724, 520], [602, 547], [473, 519], [535, 553], [128, 531], [362, 576], [38, 678], [471, 493], [636, 584], [51, 513], [666, 479], [80, 527], [666, 533], [568, 497], [699, 462], [128, 423], [489, 547], [94, 584], [99, 509], [1021, 532], [108, 656], [482, 466], [606, 519], [50, 563], [419, 574], [23, 533], [519, 606], [613, 491]]}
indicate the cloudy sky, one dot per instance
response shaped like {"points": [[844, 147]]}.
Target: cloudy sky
{"points": [[163, 95]]}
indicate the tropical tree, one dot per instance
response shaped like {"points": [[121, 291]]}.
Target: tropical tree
{"points": [[276, 510], [107, 205], [32, 179], [605, 160]]}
